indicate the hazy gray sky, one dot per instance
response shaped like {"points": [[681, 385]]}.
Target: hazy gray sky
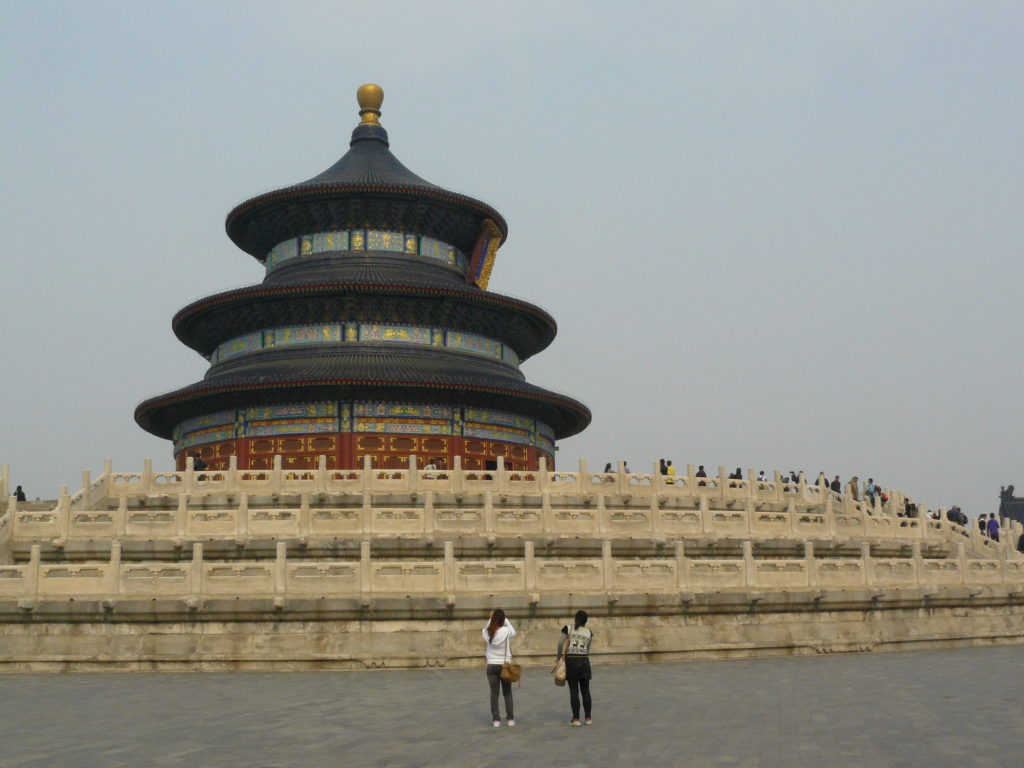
{"points": [[775, 235]]}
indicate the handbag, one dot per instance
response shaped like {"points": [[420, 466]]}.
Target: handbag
{"points": [[559, 670], [510, 671]]}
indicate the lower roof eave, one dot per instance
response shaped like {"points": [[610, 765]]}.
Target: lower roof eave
{"points": [[159, 415]]}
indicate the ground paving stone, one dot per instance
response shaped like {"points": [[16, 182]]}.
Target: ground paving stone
{"points": [[925, 709]]}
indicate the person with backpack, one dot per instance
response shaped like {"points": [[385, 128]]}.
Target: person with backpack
{"points": [[575, 644]]}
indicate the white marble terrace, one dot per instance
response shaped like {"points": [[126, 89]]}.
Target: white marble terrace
{"points": [[194, 513]]}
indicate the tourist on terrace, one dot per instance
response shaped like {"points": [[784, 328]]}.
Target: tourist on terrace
{"points": [[837, 485], [1020, 544], [497, 634], [762, 477], [576, 645], [737, 475], [993, 527], [701, 473], [870, 490], [19, 495], [822, 481], [662, 468], [608, 471], [982, 524], [670, 471]]}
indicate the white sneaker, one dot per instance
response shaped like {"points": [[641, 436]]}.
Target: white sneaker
{"points": [[511, 723], [497, 723]]}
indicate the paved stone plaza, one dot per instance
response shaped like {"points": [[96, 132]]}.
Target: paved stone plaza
{"points": [[930, 709]]}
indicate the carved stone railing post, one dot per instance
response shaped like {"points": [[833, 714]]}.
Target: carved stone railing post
{"points": [[83, 502], [530, 566], [121, 518], [429, 515], [321, 474], [547, 515], [607, 565], [108, 481], [691, 479], [722, 477], [918, 561], [584, 477], [602, 514], [542, 473], [458, 481], [32, 574], [705, 514], [367, 513], [810, 564], [305, 522], [281, 568], [242, 521], [147, 476], [778, 485], [367, 477], [490, 521], [413, 480], [621, 481], [365, 573], [64, 512], [181, 515], [681, 574], [232, 474], [961, 556], [188, 486], [114, 572], [749, 568], [196, 571], [276, 475], [751, 484], [5, 481], [869, 566], [449, 567], [502, 475]]}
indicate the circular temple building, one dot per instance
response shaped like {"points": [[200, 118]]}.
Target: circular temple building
{"points": [[372, 335]]}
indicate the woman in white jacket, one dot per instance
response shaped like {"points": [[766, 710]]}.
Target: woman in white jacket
{"points": [[497, 634]]}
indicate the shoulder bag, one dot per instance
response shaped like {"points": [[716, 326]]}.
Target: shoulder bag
{"points": [[559, 669], [510, 671]]}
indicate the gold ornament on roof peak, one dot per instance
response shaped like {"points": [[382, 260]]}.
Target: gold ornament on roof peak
{"points": [[370, 97]]}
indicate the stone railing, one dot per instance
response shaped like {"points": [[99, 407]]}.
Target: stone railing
{"points": [[449, 576], [275, 503], [413, 480], [361, 515]]}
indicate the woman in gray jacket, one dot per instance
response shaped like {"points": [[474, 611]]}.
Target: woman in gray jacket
{"points": [[575, 643]]}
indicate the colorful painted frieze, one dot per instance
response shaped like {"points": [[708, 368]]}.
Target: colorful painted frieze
{"points": [[520, 436], [208, 420], [290, 427], [402, 410], [403, 426], [501, 418], [291, 411]]}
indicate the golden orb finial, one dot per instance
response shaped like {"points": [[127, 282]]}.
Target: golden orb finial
{"points": [[370, 97]]}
